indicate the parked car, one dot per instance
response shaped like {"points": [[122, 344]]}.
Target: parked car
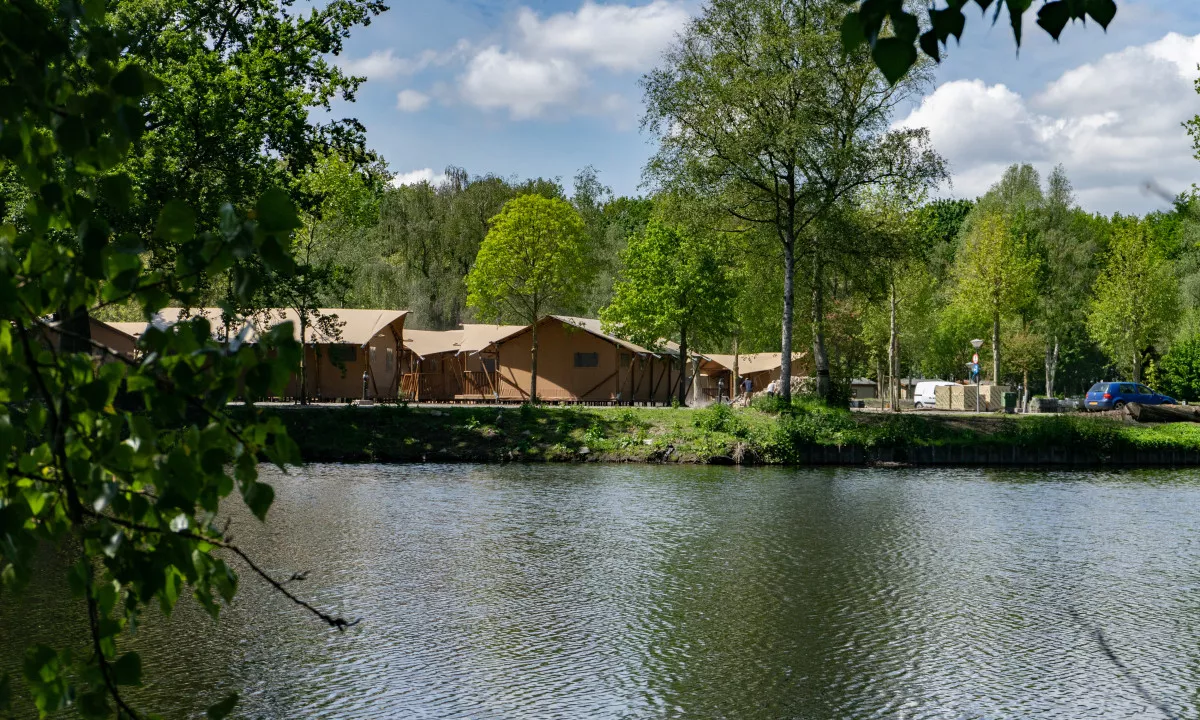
{"points": [[1115, 395], [923, 395]]}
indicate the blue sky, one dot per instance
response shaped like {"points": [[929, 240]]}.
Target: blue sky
{"points": [[545, 87]]}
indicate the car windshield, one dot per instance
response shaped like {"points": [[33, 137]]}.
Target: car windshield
{"points": [[1145, 390], [1099, 388]]}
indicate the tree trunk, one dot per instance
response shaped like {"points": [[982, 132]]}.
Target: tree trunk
{"points": [[820, 357], [303, 359], [1051, 366], [733, 391], [533, 354], [1137, 366], [789, 308], [879, 377], [894, 356], [996, 347], [681, 393]]}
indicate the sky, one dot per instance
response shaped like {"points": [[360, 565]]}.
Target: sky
{"points": [[546, 87]]}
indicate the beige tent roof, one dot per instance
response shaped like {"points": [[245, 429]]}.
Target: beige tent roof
{"points": [[132, 329], [477, 338], [355, 327], [754, 363], [424, 343], [592, 326]]}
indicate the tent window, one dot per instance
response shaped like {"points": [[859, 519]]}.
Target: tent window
{"points": [[372, 354], [587, 360], [343, 353], [625, 359], [489, 364], [389, 359]]}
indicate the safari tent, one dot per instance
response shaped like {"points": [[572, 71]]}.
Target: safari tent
{"points": [[760, 368], [579, 362], [430, 365], [335, 356]]}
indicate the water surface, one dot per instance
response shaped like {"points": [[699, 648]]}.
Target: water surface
{"points": [[663, 592]]}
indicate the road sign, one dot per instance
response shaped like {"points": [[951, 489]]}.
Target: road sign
{"points": [[974, 368], [975, 358]]}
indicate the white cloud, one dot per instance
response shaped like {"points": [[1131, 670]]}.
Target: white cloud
{"points": [[416, 177], [617, 37], [411, 101], [377, 65], [1114, 124], [524, 86], [384, 64]]}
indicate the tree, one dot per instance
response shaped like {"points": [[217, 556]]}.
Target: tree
{"points": [[122, 462], [532, 261], [758, 107], [894, 44], [1179, 371], [1136, 299], [342, 202], [1068, 253], [672, 284], [996, 274]]}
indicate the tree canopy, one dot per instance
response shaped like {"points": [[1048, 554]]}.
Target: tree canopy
{"points": [[673, 285], [532, 261]]}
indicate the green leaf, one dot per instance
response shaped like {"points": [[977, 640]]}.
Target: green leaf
{"points": [[1016, 11], [275, 212], [258, 497], [127, 670], [221, 710], [1102, 11], [176, 222], [894, 57], [1053, 17], [130, 82], [852, 32], [906, 27]]}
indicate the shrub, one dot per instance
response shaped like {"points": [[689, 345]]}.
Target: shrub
{"points": [[719, 417]]}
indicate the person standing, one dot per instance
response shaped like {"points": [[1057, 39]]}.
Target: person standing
{"points": [[747, 384]]}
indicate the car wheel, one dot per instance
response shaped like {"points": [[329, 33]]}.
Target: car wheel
{"points": [[1118, 405]]}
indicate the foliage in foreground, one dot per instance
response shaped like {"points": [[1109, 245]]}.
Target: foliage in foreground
{"points": [[122, 463]]}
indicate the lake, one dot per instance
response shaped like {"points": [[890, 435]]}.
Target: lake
{"points": [[571, 591]]}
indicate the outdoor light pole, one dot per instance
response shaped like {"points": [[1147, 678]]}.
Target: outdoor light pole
{"points": [[975, 369]]}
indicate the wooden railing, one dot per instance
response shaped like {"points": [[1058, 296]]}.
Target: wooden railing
{"points": [[476, 383], [423, 386]]}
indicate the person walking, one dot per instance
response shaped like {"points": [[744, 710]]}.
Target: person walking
{"points": [[747, 384]]}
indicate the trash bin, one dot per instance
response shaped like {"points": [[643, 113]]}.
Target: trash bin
{"points": [[1010, 402]]}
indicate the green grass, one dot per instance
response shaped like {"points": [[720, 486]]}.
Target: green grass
{"points": [[761, 434]]}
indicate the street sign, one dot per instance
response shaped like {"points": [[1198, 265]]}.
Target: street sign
{"points": [[974, 368], [975, 358]]}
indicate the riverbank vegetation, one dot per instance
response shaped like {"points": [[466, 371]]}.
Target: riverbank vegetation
{"points": [[762, 434]]}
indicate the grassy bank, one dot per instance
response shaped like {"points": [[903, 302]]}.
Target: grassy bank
{"points": [[719, 434]]}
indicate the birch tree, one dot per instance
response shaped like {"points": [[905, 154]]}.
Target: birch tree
{"points": [[757, 106]]}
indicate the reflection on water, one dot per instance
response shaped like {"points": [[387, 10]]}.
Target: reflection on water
{"points": [[632, 592]]}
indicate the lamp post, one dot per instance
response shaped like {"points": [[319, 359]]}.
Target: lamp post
{"points": [[975, 369]]}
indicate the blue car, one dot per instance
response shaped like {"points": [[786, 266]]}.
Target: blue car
{"points": [[1115, 395]]}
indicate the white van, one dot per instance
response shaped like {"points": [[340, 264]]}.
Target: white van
{"points": [[923, 396]]}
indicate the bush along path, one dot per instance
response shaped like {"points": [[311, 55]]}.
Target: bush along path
{"points": [[805, 434]]}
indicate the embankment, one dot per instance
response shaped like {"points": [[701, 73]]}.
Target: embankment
{"points": [[809, 435]]}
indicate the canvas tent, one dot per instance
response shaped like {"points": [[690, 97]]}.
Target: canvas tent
{"points": [[760, 368], [579, 362], [336, 357]]}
